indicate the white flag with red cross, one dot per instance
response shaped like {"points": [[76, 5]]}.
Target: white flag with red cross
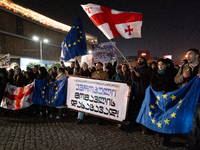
{"points": [[115, 23], [17, 97]]}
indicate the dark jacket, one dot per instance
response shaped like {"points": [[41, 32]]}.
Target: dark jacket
{"points": [[142, 82], [163, 82]]}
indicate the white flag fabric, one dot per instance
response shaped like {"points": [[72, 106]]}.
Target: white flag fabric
{"points": [[5, 61], [115, 23], [17, 97]]}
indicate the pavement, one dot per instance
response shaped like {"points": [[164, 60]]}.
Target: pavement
{"points": [[21, 132]]}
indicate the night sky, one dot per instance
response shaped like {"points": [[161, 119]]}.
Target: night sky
{"points": [[169, 26]]}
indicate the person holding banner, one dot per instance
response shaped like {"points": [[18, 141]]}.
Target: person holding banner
{"points": [[100, 74], [61, 75], [84, 72], [186, 73]]}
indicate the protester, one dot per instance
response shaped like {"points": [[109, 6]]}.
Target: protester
{"points": [[118, 75], [70, 68], [163, 80], [100, 74], [10, 76], [84, 72], [43, 74], [61, 75], [153, 66], [141, 79], [35, 71], [18, 78], [186, 73], [29, 78], [3, 76], [53, 73], [171, 67]]}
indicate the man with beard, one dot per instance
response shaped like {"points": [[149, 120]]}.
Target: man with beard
{"points": [[141, 80], [100, 74], [186, 73]]}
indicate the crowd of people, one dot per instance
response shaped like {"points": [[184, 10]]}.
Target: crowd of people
{"points": [[162, 75]]}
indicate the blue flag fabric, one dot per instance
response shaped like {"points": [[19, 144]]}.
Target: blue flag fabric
{"points": [[75, 42], [170, 112], [49, 93]]}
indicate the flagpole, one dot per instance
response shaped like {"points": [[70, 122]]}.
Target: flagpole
{"points": [[121, 54]]}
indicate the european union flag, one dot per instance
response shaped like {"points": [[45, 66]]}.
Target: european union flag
{"points": [[49, 93], [75, 42], [170, 112]]}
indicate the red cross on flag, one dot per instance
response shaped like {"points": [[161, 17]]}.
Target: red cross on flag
{"points": [[17, 97], [115, 23]]}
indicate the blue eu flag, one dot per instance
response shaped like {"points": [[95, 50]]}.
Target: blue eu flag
{"points": [[75, 42], [49, 93], [170, 112]]}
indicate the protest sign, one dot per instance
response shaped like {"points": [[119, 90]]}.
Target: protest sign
{"points": [[98, 97], [104, 52], [4, 61]]}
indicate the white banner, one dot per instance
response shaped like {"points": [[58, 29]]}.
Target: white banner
{"points": [[4, 61], [98, 97]]}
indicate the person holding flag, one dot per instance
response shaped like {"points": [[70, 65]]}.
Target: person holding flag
{"points": [[186, 73], [163, 80]]}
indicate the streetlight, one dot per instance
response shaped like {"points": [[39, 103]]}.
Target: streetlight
{"points": [[35, 38]]}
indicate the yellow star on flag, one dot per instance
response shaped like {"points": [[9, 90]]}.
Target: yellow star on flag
{"points": [[173, 97], [158, 97], [153, 121], [65, 45], [165, 96], [152, 106], [157, 102], [56, 93], [180, 101], [159, 124], [52, 101], [80, 31], [56, 88], [50, 82], [54, 84], [54, 97], [62, 42], [69, 45], [78, 40], [173, 115], [43, 96], [73, 26], [166, 121], [47, 84], [81, 37], [77, 27], [74, 43], [49, 102], [150, 113], [43, 92], [177, 107], [46, 100]]}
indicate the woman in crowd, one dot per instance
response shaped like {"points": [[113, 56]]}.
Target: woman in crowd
{"points": [[118, 75], [163, 80], [53, 73], [18, 78], [28, 78], [10, 76], [43, 74], [61, 75]]}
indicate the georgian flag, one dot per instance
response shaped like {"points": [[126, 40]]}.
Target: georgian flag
{"points": [[115, 23], [17, 97]]}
